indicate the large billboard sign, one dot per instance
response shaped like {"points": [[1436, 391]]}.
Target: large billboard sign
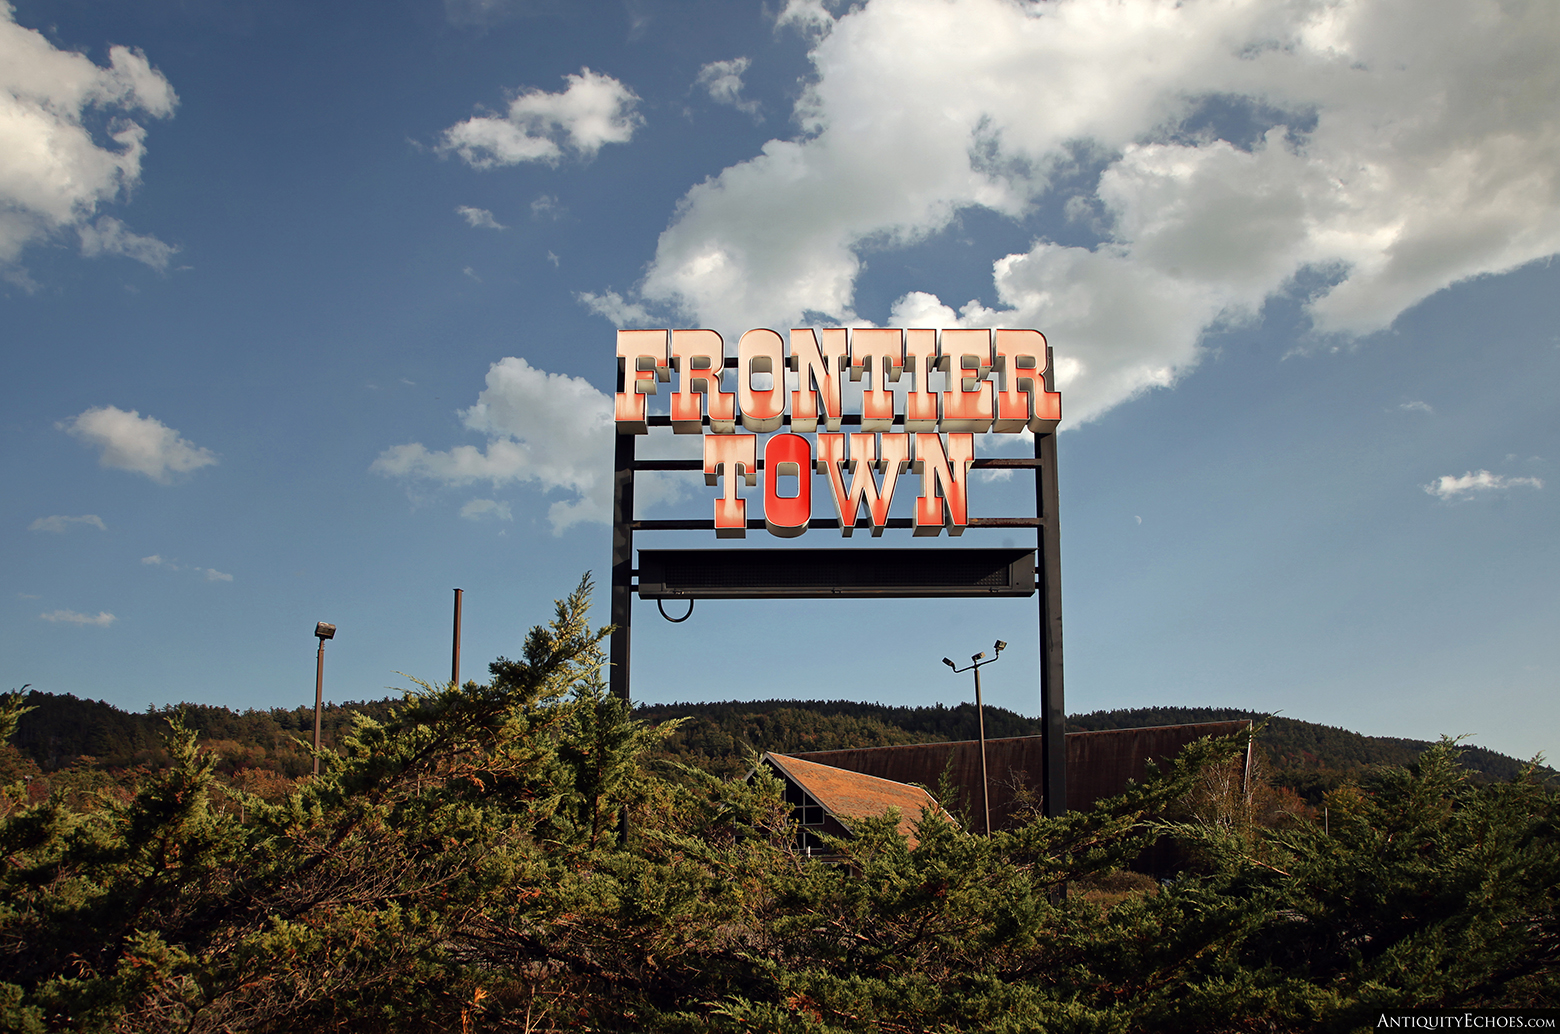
{"points": [[917, 402], [990, 381]]}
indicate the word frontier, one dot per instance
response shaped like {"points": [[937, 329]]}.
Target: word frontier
{"points": [[992, 381]]}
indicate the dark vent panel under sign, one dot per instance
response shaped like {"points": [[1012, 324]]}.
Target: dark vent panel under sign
{"points": [[756, 574]]}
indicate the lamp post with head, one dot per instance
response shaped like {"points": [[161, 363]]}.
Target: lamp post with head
{"points": [[322, 632], [980, 717]]}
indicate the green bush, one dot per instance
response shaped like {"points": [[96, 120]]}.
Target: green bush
{"points": [[510, 856]]}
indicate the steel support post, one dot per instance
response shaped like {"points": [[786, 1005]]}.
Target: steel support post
{"points": [[455, 645], [622, 565], [1053, 709]]}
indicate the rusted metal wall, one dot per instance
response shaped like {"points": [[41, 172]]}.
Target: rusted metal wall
{"points": [[1099, 764]]}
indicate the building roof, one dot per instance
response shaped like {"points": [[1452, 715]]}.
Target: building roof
{"points": [[1099, 764], [848, 795]]}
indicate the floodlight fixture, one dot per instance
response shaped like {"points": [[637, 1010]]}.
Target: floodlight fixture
{"points": [[976, 662], [323, 631]]}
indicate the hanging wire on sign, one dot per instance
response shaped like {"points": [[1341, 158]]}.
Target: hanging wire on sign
{"points": [[659, 605]]}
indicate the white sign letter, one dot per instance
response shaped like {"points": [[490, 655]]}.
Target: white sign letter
{"points": [[699, 357], [641, 362], [731, 456], [945, 474]]}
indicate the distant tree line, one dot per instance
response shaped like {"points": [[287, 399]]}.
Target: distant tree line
{"points": [[59, 730], [1304, 756], [63, 735]]}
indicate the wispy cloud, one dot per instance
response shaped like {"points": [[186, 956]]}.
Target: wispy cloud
{"points": [[60, 524], [722, 80], [479, 218], [109, 236], [1416, 407], [477, 509], [70, 617], [211, 574], [616, 308], [140, 444], [1474, 483]]}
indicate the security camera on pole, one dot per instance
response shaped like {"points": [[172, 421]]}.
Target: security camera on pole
{"points": [[980, 717]]}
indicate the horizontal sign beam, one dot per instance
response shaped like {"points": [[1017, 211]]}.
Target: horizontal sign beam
{"points": [[992, 463], [833, 523], [770, 574]]}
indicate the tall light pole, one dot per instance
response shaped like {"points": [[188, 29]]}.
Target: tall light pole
{"points": [[976, 662], [322, 632]]}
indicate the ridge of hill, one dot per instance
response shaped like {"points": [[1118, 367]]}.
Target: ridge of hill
{"points": [[1309, 757], [62, 729]]}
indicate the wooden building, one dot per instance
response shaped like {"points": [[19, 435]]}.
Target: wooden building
{"points": [[826, 800], [1099, 765]]}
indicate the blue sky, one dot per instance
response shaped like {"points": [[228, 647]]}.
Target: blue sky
{"points": [[308, 313]]}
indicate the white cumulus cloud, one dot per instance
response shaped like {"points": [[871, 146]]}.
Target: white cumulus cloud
{"points": [[546, 429], [70, 617], [141, 444], [59, 524], [55, 172], [1213, 153], [594, 110], [1474, 483]]}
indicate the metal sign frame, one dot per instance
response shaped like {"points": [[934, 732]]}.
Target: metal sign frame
{"points": [[1048, 572]]}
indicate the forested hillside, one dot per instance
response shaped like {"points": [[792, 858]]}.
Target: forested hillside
{"points": [[64, 732], [60, 730], [1308, 757]]}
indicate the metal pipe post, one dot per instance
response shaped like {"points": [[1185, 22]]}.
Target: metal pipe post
{"points": [[455, 656], [1053, 711], [622, 565]]}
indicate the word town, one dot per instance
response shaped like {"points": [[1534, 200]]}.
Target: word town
{"points": [[995, 382]]}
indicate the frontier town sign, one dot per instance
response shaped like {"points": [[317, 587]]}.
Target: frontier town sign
{"points": [[924, 396], [996, 383]]}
